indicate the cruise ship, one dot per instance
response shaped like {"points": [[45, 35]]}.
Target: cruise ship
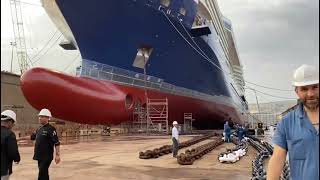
{"points": [[180, 50]]}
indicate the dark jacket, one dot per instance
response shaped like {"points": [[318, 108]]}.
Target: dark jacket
{"points": [[9, 151], [46, 138], [240, 132], [227, 129]]}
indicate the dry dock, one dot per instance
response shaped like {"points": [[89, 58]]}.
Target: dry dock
{"points": [[116, 157]]}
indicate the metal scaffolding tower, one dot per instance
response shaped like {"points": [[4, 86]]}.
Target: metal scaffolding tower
{"points": [[139, 122], [157, 115], [187, 122], [19, 36], [151, 119]]}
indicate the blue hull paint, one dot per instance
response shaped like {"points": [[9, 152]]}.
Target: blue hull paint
{"points": [[111, 32]]}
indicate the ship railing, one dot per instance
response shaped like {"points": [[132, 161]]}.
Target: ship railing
{"points": [[121, 78], [106, 72]]}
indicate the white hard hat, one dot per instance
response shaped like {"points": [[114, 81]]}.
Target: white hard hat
{"points": [[175, 122], [306, 75], [45, 112], [8, 114]]}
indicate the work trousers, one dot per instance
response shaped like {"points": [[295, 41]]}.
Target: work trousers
{"points": [[43, 166], [175, 147], [228, 138]]}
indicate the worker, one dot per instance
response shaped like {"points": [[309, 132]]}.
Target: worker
{"points": [[9, 146], [244, 128], [175, 138], [298, 132], [45, 137], [236, 127], [240, 132], [227, 131]]}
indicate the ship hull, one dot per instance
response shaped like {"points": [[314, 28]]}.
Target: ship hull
{"points": [[90, 101]]}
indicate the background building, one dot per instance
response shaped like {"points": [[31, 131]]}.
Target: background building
{"points": [[270, 113], [27, 119]]}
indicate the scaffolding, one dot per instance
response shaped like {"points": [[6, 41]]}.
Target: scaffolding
{"points": [[157, 115], [139, 122], [187, 122], [153, 118]]}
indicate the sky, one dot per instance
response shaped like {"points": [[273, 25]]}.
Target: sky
{"points": [[38, 29], [273, 38]]}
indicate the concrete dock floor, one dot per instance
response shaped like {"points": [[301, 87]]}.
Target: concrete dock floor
{"points": [[116, 157]]}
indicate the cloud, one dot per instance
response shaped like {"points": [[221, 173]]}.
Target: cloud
{"points": [[38, 29], [273, 38]]}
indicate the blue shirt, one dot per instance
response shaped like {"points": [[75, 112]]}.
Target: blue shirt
{"points": [[296, 134]]}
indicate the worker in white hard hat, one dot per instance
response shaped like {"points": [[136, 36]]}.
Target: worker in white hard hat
{"points": [[46, 141], [298, 132], [9, 146], [175, 138]]}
